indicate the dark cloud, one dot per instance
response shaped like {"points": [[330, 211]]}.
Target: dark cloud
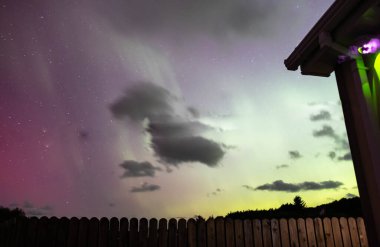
{"points": [[282, 166], [322, 115], [175, 139], [280, 185], [294, 154], [111, 204], [248, 187], [138, 169], [345, 157], [145, 187], [177, 129], [331, 155], [326, 131], [188, 149], [217, 17], [144, 101]]}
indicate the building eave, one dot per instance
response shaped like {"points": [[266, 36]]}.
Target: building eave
{"points": [[337, 21]]}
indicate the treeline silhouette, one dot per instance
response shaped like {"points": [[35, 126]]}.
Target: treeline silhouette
{"points": [[7, 214], [344, 207]]}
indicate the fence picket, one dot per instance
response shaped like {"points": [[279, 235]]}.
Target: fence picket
{"points": [[7, 230], [353, 232], [104, 226], [21, 232], [172, 234], [302, 232], [293, 233], [162, 233], [239, 234], [2, 233], [93, 232], [319, 234], [124, 234], [72, 238], [62, 232], [182, 234], [276, 238], [153, 234], [284, 233], [336, 231], [361, 231], [345, 232], [211, 239], [220, 233], [230, 238], [83, 231], [328, 232], [51, 231], [310, 232], [133, 232], [248, 233], [257, 233], [191, 233], [31, 232], [143, 232], [114, 232], [267, 240], [201, 233]]}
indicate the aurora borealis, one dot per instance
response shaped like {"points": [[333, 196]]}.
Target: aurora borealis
{"points": [[164, 109]]}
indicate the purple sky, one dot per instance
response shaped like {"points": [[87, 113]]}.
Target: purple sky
{"points": [[192, 97]]}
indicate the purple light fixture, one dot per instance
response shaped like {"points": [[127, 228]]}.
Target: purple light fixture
{"points": [[371, 46]]}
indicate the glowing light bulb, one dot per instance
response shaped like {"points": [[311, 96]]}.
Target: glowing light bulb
{"points": [[371, 47]]}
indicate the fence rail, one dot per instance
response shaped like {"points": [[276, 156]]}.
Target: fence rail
{"points": [[219, 232]]}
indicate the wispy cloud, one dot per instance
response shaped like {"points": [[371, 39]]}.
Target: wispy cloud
{"points": [[248, 187], [145, 187], [282, 166], [215, 192], [329, 132]]}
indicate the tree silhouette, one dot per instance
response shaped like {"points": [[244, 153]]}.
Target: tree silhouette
{"points": [[6, 213], [299, 203]]}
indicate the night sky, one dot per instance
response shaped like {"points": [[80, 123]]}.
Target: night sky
{"points": [[164, 108]]}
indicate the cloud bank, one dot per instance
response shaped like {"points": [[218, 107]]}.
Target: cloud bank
{"points": [[280, 185], [176, 136]]}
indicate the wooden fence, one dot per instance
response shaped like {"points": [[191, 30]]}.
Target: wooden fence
{"points": [[219, 232]]}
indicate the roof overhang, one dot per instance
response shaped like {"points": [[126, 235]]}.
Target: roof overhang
{"points": [[344, 24]]}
